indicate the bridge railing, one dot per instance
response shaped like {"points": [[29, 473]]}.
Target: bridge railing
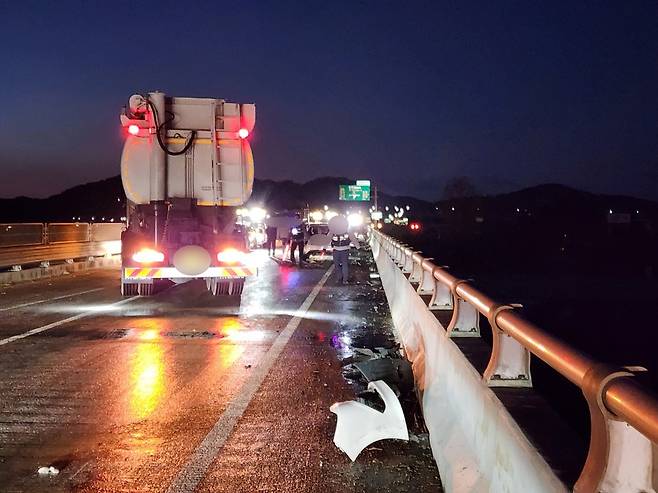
{"points": [[623, 413], [21, 234], [38, 243]]}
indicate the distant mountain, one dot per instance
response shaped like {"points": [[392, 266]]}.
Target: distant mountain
{"points": [[105, 198], [561, 202]]}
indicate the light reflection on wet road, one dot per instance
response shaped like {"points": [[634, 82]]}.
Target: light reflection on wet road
{"points": [[118, 399], [121, 399], [147, 375]]}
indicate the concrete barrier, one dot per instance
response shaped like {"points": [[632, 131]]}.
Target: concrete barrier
{"points": [[110, 262], [476, 443]]}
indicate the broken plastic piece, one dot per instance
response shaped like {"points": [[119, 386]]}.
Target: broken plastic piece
{"points": [[393, 371], [359, 425], [365, 351]]}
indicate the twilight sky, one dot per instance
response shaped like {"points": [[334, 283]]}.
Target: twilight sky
{"points": [[409, 94]]}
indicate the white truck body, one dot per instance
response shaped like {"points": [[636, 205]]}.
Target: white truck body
{"points": [[185, 165]]}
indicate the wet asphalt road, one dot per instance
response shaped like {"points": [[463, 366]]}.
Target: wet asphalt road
{"points": [[183, 389]]}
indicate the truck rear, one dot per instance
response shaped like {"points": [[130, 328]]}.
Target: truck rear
{"points": [[186, 165]]}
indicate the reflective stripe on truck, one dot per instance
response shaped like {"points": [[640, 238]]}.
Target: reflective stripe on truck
{"points": [[172, 272]]}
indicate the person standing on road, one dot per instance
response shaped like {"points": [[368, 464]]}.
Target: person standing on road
{"points": [[270, 233], [340, 244], [297, 238]]}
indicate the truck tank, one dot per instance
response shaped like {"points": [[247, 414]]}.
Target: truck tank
{"points": [[186, 164]]}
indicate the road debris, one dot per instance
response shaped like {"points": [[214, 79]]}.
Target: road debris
{"points": [[359, 425], [366, 352], [48, 471], [392, 371], [190, 334]]}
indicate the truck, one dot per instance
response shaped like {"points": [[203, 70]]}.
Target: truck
{"points": [[185, 167]]}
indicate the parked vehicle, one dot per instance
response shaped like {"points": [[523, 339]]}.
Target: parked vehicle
{"points": [[186, 165]]}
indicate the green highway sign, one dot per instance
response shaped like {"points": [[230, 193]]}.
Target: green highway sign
{"points": [[358, 193]]}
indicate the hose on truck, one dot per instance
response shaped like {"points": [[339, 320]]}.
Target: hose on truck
{"points": [[158, 131]]}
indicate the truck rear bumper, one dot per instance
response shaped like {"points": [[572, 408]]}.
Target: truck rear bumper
{"points": [[137, 274]]}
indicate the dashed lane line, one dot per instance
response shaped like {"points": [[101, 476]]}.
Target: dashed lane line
{"points": [[65, 321], [189, 477], [30, 303]]}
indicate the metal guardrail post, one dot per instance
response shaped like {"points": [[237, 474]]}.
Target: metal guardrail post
{"points": [[509, 363], [397, 252], [465, 320], [624, 415], [416, 269], [442, 298], [400, 252], [609, 465], [426, 285], [407, 264]]}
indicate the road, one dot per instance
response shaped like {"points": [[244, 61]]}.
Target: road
{"points": [[185, 392]]}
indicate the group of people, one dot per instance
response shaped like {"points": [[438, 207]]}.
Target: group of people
{"points": [[297, 236]]}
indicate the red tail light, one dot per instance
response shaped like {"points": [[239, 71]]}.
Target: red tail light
{"points": [[243, 133], [133, 129]]}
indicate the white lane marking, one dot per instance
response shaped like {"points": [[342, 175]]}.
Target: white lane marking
{"points": [[62, 322], [189, 477], [22, 305]]}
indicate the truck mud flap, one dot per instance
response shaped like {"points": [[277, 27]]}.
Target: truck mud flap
{"points": [[225, 287]]}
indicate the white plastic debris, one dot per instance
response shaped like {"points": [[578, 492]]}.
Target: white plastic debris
{"points": [[48, 471], [359, 425]]}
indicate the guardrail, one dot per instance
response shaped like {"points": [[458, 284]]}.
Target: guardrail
{"points": [[623, 414], [39, 243]]}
